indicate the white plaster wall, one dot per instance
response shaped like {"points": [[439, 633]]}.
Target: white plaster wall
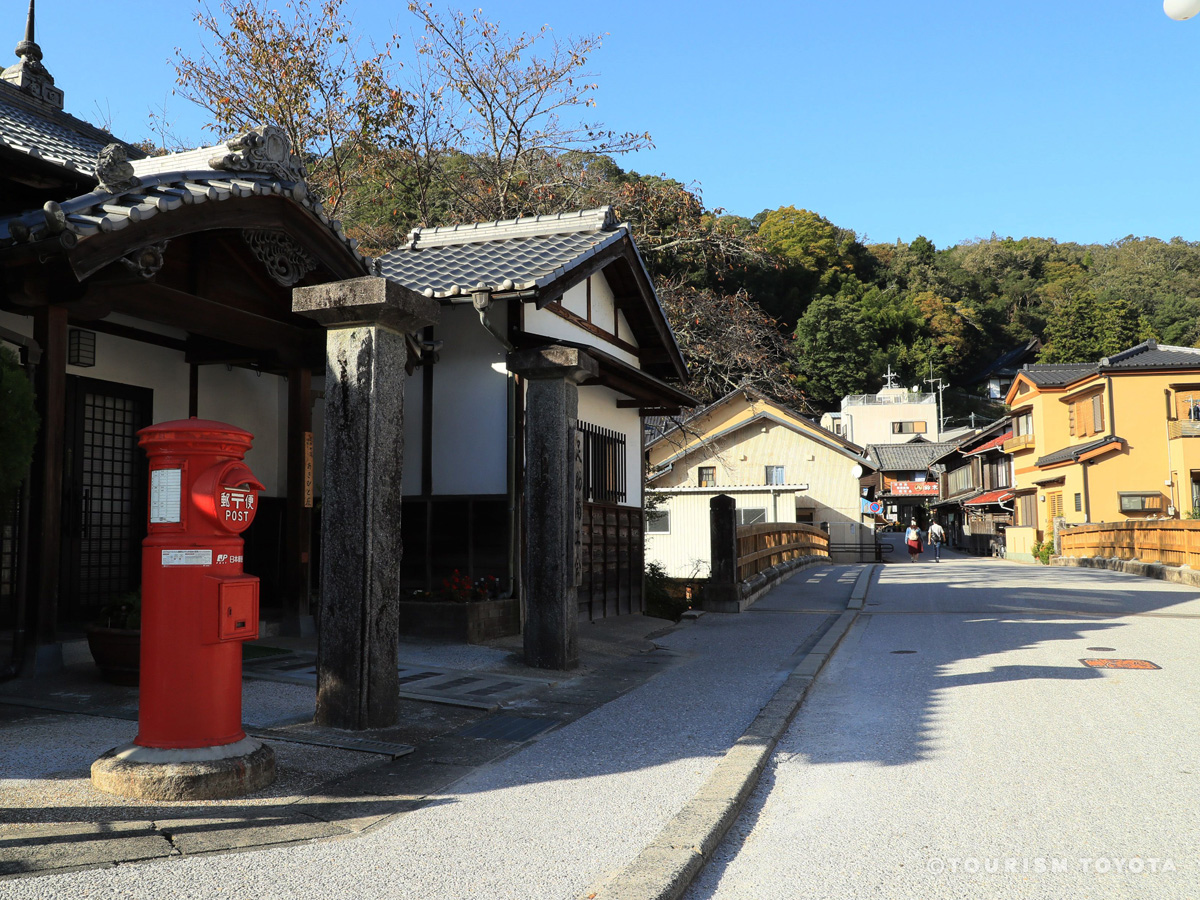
{"points": [[470, 406], [598, 405], [685, 552], [239, 397], [872, 423], [604, 315], [414, 412]]}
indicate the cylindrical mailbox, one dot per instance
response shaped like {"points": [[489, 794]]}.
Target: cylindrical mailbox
{"points": [[197, 605]]}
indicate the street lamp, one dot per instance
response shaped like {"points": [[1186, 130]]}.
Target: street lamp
{"points": [[1181, 10]]}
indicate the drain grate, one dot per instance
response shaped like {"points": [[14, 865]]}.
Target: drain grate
{"points": [[1119, 664], [1102, 649], [904, 651], [504, 727]]}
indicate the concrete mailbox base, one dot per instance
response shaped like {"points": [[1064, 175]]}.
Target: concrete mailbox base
{"points": [[195, 773]]}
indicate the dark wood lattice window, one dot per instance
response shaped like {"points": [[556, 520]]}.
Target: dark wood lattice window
{"points": [[604, 478]]}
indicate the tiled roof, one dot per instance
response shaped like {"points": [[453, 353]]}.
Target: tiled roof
{"points": [[50, 135], [1146, 355], [906, 457], [1152, 355], [164, 184], [1058, 374], [512, 255], [1067, 454]]}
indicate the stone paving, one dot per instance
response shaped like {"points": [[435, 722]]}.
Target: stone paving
{"points": [[631, 737]]}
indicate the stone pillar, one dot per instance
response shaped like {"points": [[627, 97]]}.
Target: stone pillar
{"points": [[552, 566], [367, 319], [722, 593]]}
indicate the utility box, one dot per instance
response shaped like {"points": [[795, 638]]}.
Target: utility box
{"points": [[198, 606]]}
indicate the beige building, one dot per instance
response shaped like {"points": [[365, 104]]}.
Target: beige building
{"points": [[892, 416], [777, 465]]}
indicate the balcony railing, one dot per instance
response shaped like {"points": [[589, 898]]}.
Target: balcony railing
{"points": [[1183, 428], [875, 400], [1018, 442]]}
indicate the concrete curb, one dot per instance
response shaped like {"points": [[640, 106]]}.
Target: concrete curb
{"points": [[1173, 574], [668, 865]]}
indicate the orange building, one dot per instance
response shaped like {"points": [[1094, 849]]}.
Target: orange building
{"points": [[1107, 441]]}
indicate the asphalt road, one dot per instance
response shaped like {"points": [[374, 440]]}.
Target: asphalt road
{"points": [[956, 746]]}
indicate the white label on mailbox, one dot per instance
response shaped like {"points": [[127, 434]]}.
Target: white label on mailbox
{"points": [[187, 557], [165, 495]]}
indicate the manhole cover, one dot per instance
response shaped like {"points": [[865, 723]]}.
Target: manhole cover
{"points": [[904, 651], [1119, 664], [1102, 649]]}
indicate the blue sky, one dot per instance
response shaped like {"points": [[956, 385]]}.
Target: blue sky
{"points": [[1059, 118]]}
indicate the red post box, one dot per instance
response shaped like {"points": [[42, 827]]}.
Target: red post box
{"points": [[197, 604]]}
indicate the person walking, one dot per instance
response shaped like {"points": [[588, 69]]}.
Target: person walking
{"points": [[912, 538], [937, 537]]}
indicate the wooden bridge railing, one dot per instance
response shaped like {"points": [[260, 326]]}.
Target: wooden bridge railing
{"points": [[1170, 542], [761, 546]]}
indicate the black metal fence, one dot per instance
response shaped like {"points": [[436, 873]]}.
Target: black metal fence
{"points": [[604, 476]]}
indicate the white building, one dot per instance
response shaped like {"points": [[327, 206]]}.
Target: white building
{"points": [[891, 416], [777, 465]]}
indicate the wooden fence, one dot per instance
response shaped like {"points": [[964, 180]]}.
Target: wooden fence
{"points": [[761, 546], [1170, 542]]}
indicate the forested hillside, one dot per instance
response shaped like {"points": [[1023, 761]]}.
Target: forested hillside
{"points": [[486, 125]]}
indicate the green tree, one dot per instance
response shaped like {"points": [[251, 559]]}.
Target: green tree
{"points": [[834, 345]]}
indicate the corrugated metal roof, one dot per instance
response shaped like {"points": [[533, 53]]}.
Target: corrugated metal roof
{"points": [[990, 497], [512, 255]]}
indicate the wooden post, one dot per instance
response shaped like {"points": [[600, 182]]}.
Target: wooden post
{"points": [[722, 593], [299, 515], [46, 478]]}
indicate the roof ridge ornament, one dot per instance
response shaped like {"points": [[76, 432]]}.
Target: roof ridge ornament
{"points": [[266, 150], [114, 172], [29, 74]]}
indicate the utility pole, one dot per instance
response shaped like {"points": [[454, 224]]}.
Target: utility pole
{"points": [[936, 384]]}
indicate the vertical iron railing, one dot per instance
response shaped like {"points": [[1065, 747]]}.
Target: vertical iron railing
{"points": [[603, 464]]}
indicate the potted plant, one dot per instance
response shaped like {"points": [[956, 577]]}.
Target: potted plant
{"points": [[115, 639], [463, 610]]}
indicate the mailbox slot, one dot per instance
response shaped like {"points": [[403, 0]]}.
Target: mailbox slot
{"points": [[237, 608]]}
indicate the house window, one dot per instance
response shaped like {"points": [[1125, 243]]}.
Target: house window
{"points": [[707, 476], [1136, 501], [751, 516], [909, 427], [804, 515], [1079, 503], [658, 521], [1086, 416], [996, 474], [1023, 424], [1026, 507], [1187, 405], [958, 481], [603, 464], [775, 475], [1054, 504]]}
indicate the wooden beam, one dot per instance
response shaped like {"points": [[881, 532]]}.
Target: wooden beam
{"points": [[274, 212], [201, 316]]}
